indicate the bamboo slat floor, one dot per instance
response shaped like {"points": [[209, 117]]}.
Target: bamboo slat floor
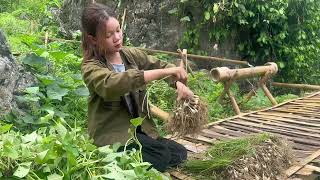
{"points": [[297, 120]]}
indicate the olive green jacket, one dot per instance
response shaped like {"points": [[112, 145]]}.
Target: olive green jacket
{"points": [[109, 121]]}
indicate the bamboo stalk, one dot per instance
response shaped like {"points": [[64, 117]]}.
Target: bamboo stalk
{"points": [[46, 39], [159, 113], [224, 73], [298, 86], [233, 102], [268, 94], [274, 122], [152, 51], [123, 18], [184, 60], [301, 164], [208, 58]]}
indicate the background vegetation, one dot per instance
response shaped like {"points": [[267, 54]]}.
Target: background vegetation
{"points": [[284, 31]]}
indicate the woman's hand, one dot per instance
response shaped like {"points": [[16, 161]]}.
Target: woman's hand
{"points": [[183, 91], [180, 74]]}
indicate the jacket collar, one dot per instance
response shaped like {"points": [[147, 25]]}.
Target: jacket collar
{"points": [[127, 61]]}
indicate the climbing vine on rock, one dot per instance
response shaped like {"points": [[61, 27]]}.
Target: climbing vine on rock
{"points": [[284, 31]]}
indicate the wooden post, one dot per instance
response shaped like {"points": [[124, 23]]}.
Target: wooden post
{"points": [[226, 87], [233, 102], [266, 91], [268, 94], [46, 39], [123, 18], [184, 59], [227, 91]]}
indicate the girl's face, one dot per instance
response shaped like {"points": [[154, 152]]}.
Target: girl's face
{"points": [[110, 41]]}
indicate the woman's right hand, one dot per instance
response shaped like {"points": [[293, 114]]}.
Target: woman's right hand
{"points": [[180, 74]]}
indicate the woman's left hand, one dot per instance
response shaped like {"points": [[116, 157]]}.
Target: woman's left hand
{"points": [[183, 91]]}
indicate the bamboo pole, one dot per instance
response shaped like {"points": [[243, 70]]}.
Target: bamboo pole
{"points": [[184, 59], [298, 86], [224, 73], [233, 102], [123, 18], [159, 113], [262, 84], [293, 169], [268, 94], [208, 58], [46, 39], [152, 51]]}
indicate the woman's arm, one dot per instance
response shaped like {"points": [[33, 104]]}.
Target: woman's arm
{"points": [[177, 72], [147, 63]]}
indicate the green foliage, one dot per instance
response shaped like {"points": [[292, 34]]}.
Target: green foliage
{"points": [[34, 17], [224, 153], [260, 101], [39, 11], [12, 25], [209, 91], [284, 31], [61, 89], [59, 152]]}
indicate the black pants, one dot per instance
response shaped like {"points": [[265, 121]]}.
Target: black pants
{"points": [[162, 153]]}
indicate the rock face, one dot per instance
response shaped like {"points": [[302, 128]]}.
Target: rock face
{"points": [[13, 78], [147, 21], [149, 24]]}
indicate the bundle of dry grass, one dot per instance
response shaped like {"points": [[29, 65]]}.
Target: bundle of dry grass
{"points": [[188, 118]]}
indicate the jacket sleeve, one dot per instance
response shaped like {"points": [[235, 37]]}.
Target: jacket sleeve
{"points": [[147, 62], [108, 84]]}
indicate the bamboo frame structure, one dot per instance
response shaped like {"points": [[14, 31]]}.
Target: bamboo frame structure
{"points": [[228, 76]]}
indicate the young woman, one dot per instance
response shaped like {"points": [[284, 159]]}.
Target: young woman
{"points": [[116, 78]]}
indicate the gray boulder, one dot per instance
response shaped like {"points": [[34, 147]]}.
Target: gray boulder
{"points": [[13, 78]]}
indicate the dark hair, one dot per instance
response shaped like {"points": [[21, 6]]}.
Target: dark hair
{"points": [[93, 17]]}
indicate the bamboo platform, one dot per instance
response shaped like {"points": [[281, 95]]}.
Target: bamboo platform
{"points": [[297, 120]]}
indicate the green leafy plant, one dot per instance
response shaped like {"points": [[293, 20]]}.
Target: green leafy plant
{"points": [[59, 152]]}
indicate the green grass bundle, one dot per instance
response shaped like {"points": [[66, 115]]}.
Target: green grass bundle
{"points": [[261, 156], [222, 154]]}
